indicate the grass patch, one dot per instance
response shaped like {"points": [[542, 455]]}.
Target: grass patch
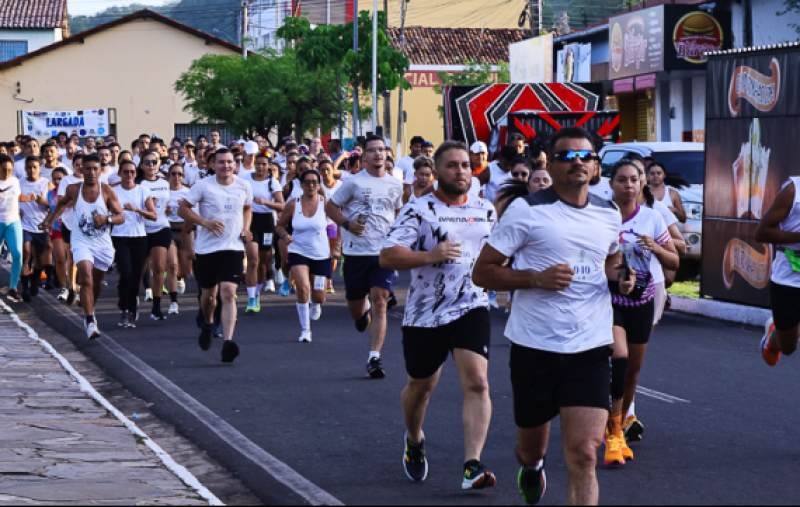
{"points": [[139, 439], [685, 289]]}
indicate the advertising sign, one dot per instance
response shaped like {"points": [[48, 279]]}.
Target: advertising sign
{"points": [[85, 122], [636, 42], [752, 120], [695, 34], [574, 64], [531, 61]]}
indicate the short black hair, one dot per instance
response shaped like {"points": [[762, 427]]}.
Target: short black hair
{"points": [[155, 141], [416, 140], [60, 169], [124, 162], [508, 153], [5, 159], [62, 132], [569, 133], [443, 148], [103, 148], [91, 158], [516, 137], [144, 135], [371, 138], [78, 156], [49, 145], [33, 158], [111, 145]]}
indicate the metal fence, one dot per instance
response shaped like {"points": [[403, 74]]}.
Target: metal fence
{"points": [[186, 130]]}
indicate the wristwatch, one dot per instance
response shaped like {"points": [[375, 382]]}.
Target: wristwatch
{"points": [[346, 225], [109, 219]]}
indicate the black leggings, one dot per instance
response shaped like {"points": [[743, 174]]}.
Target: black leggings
{"points": [[131, 255]]}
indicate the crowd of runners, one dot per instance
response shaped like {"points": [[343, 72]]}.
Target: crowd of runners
{"points": [[585, 260]]}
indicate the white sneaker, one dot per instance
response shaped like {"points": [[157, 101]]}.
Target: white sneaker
{"points": [[92, 331], [181, 287], [316, 311], [64, 294], [77, 298], [269, 286], [305, 336], [173, 309], [148, 295]]}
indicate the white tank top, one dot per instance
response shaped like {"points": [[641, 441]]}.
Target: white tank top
{"points": [[782, 272], [84, 232], [310, 238], [667, 199], [497, 177]]}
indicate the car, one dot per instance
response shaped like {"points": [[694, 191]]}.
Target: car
{"points": [[687, 160]]}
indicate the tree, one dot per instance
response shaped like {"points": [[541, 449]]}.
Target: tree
{"points": [[791, 6], [474, 74]]}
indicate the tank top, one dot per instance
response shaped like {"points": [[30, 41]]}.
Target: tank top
{"points": [[329, 193], [84, 232], [310, 237], [782, 272], [33, 213], [497, 177], [667, 199]]}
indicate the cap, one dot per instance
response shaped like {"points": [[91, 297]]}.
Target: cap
{"points": [[478, 147], [240, 141], [251, 147]]}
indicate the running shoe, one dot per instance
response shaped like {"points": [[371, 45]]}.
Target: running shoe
{"points": [[181, 287], [414, 462], [64, 294], [26, 291], [132, 320], [771, 356], [77, 298], [375, 368], [148, 295], [532, 483], [123, 319], [627, 453], [493, 299], [269, 286], [316, 311], [173, 309], [216, 331], [477, 476], [92, 331], [364, 322], [391, 302], [71, 297], [305, 336], [252, 306], [14, 296], [633, 429], [613, 455], [330, 287], [284, 290], [35, 282], [158, 316], [205, 337], [229, 351]]}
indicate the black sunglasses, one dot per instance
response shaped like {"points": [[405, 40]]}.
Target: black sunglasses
{"points": [[149, 162], [176, 174], [572, 155]]}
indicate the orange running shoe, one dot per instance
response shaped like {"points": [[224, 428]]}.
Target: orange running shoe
{"points": [[613, 455], [627, 453], [770, 355]]}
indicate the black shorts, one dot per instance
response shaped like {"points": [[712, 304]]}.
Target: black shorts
{"points": [[316, 268], [38, 240], [66, 234], [162, 238], [214, 268], [425, 348], [637, 321], [263, 229], [362, 273], [545, 382], [785, 306], [177, 235]]}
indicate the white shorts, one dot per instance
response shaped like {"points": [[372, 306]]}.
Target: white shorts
{"points": [[660, 301], [101, 258]]}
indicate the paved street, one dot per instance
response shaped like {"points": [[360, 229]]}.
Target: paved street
{"points": [[720, 425]]}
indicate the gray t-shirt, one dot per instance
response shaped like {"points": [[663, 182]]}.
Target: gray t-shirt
{"points": [[224, 203]]}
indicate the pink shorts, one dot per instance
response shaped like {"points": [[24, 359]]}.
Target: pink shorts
{"points": [[332, 230]]}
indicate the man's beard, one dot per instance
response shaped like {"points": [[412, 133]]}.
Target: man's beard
{"points": [[451, 189]]}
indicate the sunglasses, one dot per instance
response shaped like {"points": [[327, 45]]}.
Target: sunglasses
{"points": [[311, 183], [149, 162], [176, 174], [304, 157], [519, 174], [128, 171], [572, 155]]}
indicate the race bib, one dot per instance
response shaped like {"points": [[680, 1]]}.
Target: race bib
{"points": [[319, 282], [267, 238], [377, 206], [466, 251], [581, 264]]}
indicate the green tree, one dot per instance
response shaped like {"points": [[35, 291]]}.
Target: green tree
{"points": [[474, 74], [792, 6]]}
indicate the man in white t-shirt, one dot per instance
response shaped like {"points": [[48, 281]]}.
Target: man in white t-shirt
{"points": [[221, 207], [406, 163], [50, 162], [29, 149], [365, 206], [61, 142], [72, 149], [565, 244], [144, 145]]}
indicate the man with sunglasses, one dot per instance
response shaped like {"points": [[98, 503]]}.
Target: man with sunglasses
{"points": [[565, 244], [365, 207]]}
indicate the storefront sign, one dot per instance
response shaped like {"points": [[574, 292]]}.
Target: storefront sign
{"points": [[85, 122], [636, 43], [531, 61], [423, 79], [757, 89], [574, 64], [696, 34]]}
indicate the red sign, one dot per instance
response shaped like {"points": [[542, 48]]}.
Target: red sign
{"points": [[696, 34]]}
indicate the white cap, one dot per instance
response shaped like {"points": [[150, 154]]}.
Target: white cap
{"points": [[478, 147], [251, 147], [240, 141]]}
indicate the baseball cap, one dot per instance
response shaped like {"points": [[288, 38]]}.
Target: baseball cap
{"points": [[251, 147], [478, 147]]}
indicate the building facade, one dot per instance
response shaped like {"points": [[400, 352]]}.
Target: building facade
{"points": [[27, 25]]}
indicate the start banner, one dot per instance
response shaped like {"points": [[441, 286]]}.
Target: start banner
{"points": [[84, 122]]}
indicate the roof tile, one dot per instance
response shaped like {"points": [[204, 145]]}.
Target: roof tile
{"points": [[454, 46], [33, 14]]}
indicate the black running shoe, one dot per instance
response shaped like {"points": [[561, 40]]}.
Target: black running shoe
{"points": [[229, 351], [363, 323], [205, 337], [199, 320], [414, 462], [532, 484], [391, 302], [71, 297], [26, 292], [375, 368], [35, 281], [477, 476]]}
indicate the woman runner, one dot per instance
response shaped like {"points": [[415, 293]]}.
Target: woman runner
{"points": [[10, 221], [159, 234], [36, 249], [423, 182], [656, 173]]}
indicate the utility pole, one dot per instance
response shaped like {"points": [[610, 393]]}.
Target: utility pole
{"points": [[374, 67], [387, 96], [355, 49], [535, 15], [245, 5], [400, 115]]}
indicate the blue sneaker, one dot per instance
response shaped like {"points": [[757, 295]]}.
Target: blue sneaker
{"points": [[217, 332], [414, 462], [252, 306], [284, 290]]}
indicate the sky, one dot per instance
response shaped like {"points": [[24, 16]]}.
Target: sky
{"points": [[88, 7]]}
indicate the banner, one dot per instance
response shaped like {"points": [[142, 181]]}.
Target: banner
{"points": [[636, 43], [531, 61], [574, 64], [84, 122]]}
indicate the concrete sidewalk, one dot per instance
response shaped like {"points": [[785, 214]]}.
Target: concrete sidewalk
{"points": [[62, 443]]}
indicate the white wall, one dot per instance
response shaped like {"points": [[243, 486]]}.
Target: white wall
{"points": [[769, 28], [698, 103], [676, 102], [35, 38]]}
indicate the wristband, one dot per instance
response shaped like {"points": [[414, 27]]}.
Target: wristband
{"points": [[346, 225]]}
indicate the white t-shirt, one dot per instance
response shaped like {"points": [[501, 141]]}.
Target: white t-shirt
{"points": [[669, 218], [9, 200], [190, 174], [441, 293], [539, 231], [47, 173], [66, 181], [66, 163], [375, 198], [644, 221], [264, 189], [134, 226], [245, 172], [406, 164], [224, 203], [602, 189], [497, 177], [159, 191], [33, 213], [175, 197]]}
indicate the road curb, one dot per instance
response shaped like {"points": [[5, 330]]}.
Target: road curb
{"points": [[729, 312], [179, 470]]}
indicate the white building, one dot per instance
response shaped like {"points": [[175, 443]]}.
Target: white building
{"points": [[266, 16], [27, 25]]}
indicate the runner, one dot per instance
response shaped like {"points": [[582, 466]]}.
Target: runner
{"points": [[438, 237], [479, 156], [406, 163], [71, 295], [267, 200], [191, 169], [780, 226], [656, 173], [565, 246], [56, 238], [330, 185], [540, 179], [223, 225], [179, 264], [130, 241], [427, 149], [499, 172], [423, 178], [96, 210], [521, 170], [365, 207], [37, 249], [49, 161], [10, 221], [29, 149], [309, 250], [159, 234], [248, 164], [144, 145]]}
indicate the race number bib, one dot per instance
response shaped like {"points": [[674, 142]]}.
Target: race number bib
{"points": [[267, 238], [581, 264], [319, 282]]}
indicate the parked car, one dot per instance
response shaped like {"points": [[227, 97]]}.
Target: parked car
{"points": [[687, 160]]}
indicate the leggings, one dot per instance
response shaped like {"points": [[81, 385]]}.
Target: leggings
{"points": [[12, 235], [130, 256]]}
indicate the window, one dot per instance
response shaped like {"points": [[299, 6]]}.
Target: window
{"points": [[185, 130], [10, 49]]}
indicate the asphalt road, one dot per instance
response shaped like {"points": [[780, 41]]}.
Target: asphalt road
{"points": [[723, 434]]}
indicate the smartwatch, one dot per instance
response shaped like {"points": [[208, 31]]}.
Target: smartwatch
{"points": [[346, 225]]}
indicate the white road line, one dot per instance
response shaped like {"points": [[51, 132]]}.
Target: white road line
{"points": [[276, 468], [660, 396]]}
